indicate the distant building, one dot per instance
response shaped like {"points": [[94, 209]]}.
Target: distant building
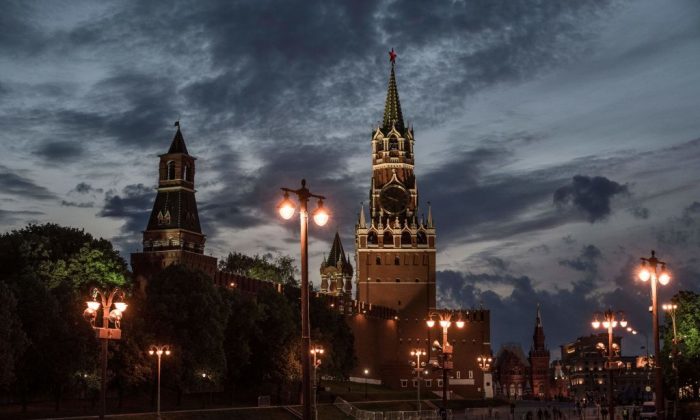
{"points": [[584, 364], [538, 357]]}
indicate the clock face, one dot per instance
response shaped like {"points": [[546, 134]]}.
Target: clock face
{"points": [[394, 199]]}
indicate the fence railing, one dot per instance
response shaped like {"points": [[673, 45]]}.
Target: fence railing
{"points": [[360, 414]]}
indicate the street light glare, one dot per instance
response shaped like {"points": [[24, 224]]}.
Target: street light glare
{"points": [[664, 278], [430, 323], [460, 324], [623, 323], [644, 274], [320, 215], [286, 207], [445, 323], [595, 324]]}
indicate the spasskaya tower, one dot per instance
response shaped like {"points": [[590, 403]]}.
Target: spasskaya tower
{"points": [[395, 244]]}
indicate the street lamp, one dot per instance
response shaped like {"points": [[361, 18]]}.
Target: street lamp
{"points": [[484, 363], [320, 215], [444, 318], [366, 372], [316, 352], [671, 309], [104, 332], [610, 320], [655, 270], [417, 353], [159, 351]]}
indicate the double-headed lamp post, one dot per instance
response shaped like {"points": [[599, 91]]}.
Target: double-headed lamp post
{"points": [[159, 351], [445, 320], [417, 353], [286, 209], [484, 363], [610, 319], [104, 332], [654, 271], [316, 352]]}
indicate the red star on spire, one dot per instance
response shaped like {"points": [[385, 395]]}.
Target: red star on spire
{"points": [[392, 56]]}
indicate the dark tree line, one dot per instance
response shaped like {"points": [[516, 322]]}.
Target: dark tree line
{"points": [[246, 345]]}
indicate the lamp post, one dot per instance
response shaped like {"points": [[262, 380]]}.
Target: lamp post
{"points": [[671, 308], [417, 353], [655, 270], [366, 372], [610, 320], [159, 351], [484, 363], [316, 352], [320, 215], [104, 332], [445, 320]]}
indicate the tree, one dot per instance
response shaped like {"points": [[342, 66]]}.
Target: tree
{"points": [[13, 341], [688, 330], [262, 267], [48, 268], [183, 308]]}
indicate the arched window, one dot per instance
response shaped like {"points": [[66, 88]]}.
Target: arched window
{"points": [[388, 239], [379, 260], [171, 170], [421, 238], [380, 145], [186, 173], [405, 238], [372, 238], [397, 260], [393, 143]]}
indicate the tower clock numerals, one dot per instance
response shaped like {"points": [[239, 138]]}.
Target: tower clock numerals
{"points": [[394, 199]]}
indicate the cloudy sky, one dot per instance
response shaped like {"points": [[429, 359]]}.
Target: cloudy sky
{"points": [[558, 141]]}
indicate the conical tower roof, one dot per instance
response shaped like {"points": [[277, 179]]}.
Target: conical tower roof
{"points": [[392, 108], [338, 254], [178, 144]]}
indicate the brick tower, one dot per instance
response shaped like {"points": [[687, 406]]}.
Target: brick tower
{"points": [[336, 271], [539, 361], [395, 248], [173, 234]]}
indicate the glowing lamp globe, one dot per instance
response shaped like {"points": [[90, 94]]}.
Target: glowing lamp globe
{"points": [[623, 323], [121, 306], [286, 207], [664, 278], [93, 305], [606, 324], [644, 274], [460, 324], [320, 215], [430, 323], [595, 324], [167, 352]]}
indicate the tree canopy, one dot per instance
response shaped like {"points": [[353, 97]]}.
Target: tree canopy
{"points": [[280, 269], [687, 359]]}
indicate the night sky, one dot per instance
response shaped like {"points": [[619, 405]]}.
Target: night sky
{"points": [[558, 141]]}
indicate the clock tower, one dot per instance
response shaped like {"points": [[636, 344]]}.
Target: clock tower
{"points": [[395, 243]]}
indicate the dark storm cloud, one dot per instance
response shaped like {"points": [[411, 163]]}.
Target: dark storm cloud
{"points": [[14, 184], [566, 313], [133, 206], [79, 205], [247, 200], [681, 231], [60, 151], [85, 188], [591, 196], [586, 262], [640, 212], [9, 217]]}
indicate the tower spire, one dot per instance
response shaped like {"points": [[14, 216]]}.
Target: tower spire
{"points": [[362, 222], [392, 108], [178, 144]]}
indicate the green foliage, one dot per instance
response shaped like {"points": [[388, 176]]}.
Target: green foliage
{"points": [[183, 308], [687, 360], [262, 267], [330, 330], [48, 268]]}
